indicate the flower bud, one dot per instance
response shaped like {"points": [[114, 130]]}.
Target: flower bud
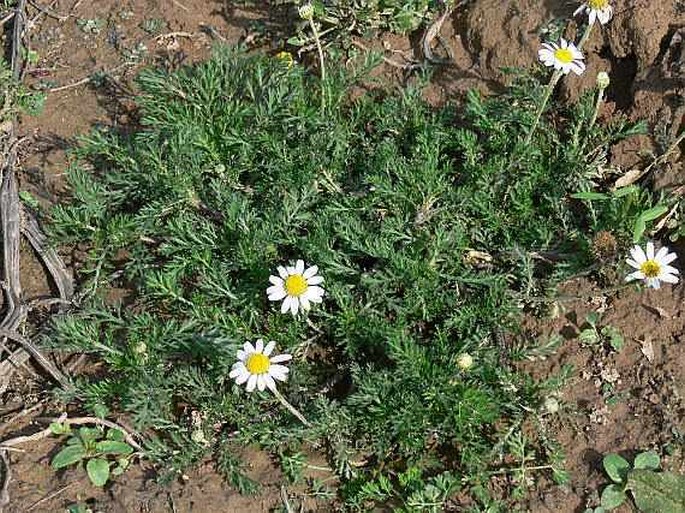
{"points": [[465, 361], [603, 80], [306, 11]]}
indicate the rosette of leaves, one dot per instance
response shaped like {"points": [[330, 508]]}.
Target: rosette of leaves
{"points": [[104, 452]]}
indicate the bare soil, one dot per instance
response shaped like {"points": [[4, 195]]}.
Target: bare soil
{"points": [[625, 401]]}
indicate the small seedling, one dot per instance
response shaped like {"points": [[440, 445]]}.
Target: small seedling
{"points": [[652, 491], [594, 335], [96, 447]]}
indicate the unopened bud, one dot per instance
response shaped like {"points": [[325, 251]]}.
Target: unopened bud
{"points": [[306, 11], [465, 361], [603, 80]]}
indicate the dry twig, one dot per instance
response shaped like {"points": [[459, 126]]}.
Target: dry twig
{"points": [[77, 421]]}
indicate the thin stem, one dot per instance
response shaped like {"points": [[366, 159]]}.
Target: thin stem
{"points": [[598, 104], [585, 37], [317, 39], [548, 93], [290, 407]]}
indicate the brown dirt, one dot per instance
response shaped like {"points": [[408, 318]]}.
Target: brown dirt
{"points": [[642, 49]]}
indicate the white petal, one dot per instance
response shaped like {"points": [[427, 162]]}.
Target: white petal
{"points": [[241, 355], [653, 283], [637, 275], [242, 378], [286, 304], [592, 17], [299, 267], [578, 67], [579, 10], [605, 15], [238, 365], [235, 373], [261, 384], [314, 280], [577, 54], [294, 305], [269, 347], [650, 251], [310, 272], [276, 280], [314, 294], [270, 383], [669, 269], [563, 43], [304, 302], [259, 346], [633, 263], [663, 251], [247, 347], [668, 258], [638, 255], [281, 358], [668, 278], [282, 272], [251, 382], [279, 372], [276, 293]]}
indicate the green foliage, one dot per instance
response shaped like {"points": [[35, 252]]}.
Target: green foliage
{"points": [[594, 335], [339, 19], [16, 97], [236, 170], [97, 448], [653, 491]]}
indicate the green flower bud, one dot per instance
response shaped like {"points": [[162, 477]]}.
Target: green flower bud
{"points": [[306, 11], [603, 80]]}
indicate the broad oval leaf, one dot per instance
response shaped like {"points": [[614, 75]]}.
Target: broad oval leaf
{"points": [[68, 456], [657, 492], [616, 467], [612, 497], [113, 447], [115, 434], [647, 461], [98, 471]]}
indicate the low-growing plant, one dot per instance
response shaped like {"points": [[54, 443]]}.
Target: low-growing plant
{"points": [[433, 228], [653, 491], [593, 334], [104, 451]]}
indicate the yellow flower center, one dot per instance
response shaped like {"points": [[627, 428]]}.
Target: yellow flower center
{"points": [[295, 285], [564, 55], [650, 269], [598, 5], [257, 363]]}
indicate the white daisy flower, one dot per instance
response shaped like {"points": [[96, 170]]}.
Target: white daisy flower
{"points": [[296, 286], [652, 268], [563, 56], [256, 367], [597, 10]]}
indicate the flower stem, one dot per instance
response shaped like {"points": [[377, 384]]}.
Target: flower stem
{"points": [[548, 93], [317, 39], [584, 37], [598, 104], [291, 408]]}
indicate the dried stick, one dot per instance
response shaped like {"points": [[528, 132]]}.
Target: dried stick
{"points": [[52, 261], [30, 348], [78, 421]]}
